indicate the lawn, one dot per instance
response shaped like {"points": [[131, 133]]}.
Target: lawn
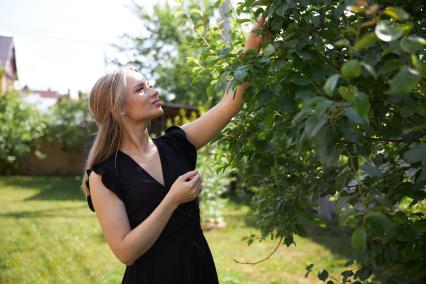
{"points": [[48, 235]]}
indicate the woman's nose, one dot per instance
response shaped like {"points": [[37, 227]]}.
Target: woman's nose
{"points": [[155, 92]]}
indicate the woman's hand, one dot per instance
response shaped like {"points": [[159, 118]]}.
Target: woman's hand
{"points": [[186, 188], [255, 37]]}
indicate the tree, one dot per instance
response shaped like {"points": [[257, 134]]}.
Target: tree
{"points": [[161, 51], [336, 105], [69, 125], [20, 126]]}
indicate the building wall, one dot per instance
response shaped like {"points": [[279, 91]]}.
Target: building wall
{"points": [[6, 84]]}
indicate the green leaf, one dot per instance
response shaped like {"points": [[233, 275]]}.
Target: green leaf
{"points": [[380, 219], [282, 9], [196, 11], [396, 13], [309, 269], [351, 69], [359, 239], [300, 81], [386, 31], [328, 156], [345, 275], [419, 226], [390, 65], [347, 92], [369, 69], [367, 40], [240, 72], [240, 21], [420, 66], [289, 241], [412, 44], [353, 115], [323, 275], [222, 52], [301, 115], [361, 104], [330, 84], [268, 50], [313, 125], [363, 273], [40, 155], [179, 14], [342, 201], [249, 3], [372, 170], [416, 153], [404, 81], [342, 42]]}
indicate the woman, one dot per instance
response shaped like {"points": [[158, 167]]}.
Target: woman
{"points": [[145, 191]]}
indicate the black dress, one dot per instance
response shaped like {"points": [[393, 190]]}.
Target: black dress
{"points": [[181, 253]]}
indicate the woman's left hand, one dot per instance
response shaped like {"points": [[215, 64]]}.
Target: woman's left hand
{"points": [[255, 38]]}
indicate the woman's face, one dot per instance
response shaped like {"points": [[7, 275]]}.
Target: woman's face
{"points": [[140, 98]]}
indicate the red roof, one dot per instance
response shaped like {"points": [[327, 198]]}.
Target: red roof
{"points": [[44, 94], [47, 94]]}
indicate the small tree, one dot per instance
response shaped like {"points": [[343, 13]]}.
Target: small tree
{"points": [[20, 127], [69, 125]]}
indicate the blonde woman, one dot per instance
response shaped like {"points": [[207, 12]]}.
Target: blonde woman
{"points": [[145, 191]]}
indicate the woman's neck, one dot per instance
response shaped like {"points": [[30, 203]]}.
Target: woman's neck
{"points": [[136, 140]]}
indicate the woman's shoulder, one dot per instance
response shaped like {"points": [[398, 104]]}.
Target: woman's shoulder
{"points": [[176, 134], [107, 166], [176, 137], [108, 169]]}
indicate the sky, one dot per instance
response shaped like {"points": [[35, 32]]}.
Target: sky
{"points": [[62, 45]]}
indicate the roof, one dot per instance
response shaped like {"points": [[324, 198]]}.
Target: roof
{"points": [[7, 57], [6, 46], [41, 93]]}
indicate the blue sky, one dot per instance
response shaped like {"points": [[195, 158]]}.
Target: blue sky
{"points": [[62, 44]]}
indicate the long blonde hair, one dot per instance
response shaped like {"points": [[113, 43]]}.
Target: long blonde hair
{"points": [[106, 103]]}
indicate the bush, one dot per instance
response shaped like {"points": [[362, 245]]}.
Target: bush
{"points": [[20, 126], [70, 124]]}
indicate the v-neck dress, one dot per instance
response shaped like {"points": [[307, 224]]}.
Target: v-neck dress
{"points": [[181, 253]]}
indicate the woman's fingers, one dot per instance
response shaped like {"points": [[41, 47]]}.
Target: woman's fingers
{"points": [[261, 19]]}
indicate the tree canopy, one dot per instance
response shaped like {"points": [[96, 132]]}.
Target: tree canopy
{"points": [[336, 106]]}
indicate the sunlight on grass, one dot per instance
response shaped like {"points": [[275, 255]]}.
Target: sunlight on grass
{"points": [[48, 235]]}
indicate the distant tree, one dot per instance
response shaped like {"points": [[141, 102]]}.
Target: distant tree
{"points": [[160, 51], [68, 124], [21, 125]]}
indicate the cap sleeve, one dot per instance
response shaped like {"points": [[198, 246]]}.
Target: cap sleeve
{"points": [[178, 136], [109, 179]]}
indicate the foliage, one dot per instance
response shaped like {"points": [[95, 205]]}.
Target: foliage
{"points": [[160, 52], [336, 106], [20, 126], [23, 128], [69, 123], [215, 181]]}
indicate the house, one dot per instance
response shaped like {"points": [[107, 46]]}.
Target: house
{"points": [[42, 99], [8, 70]]}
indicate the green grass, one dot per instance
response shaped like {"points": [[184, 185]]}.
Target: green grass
{"points": [[48, 235]]}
